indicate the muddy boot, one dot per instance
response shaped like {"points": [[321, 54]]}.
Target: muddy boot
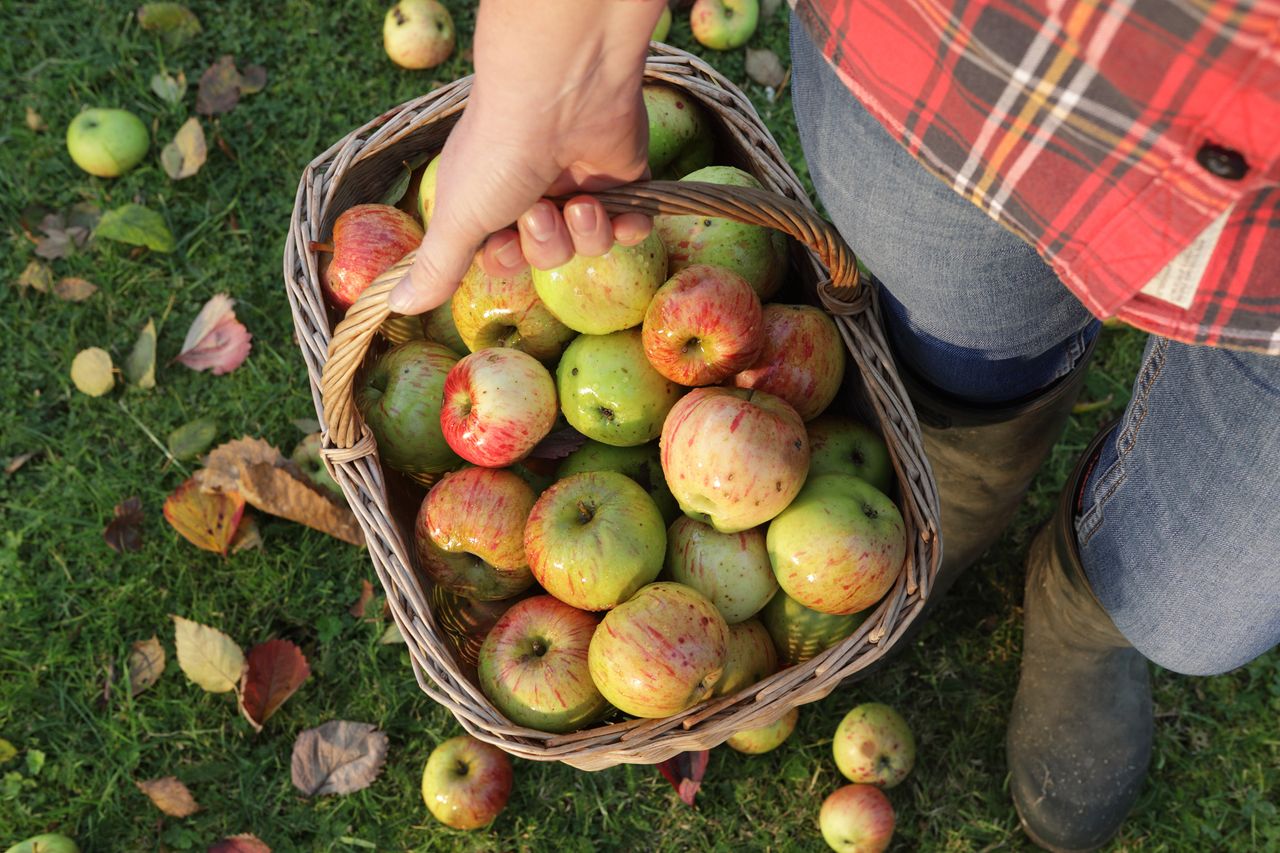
{"points": [[1080, 732]]}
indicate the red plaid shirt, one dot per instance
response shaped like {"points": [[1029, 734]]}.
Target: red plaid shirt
{"points": [[1134, 143]]}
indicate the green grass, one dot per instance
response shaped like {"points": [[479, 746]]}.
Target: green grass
{"points": [[70, 607]]}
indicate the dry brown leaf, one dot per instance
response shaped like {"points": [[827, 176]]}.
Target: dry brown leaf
{"points": [[146, 665], [216, 339], [36, 276], [273, 672], [170, 796], [339, 757], [207, 519], [366, 593], [12, 466], [219, 88], [248, 536], [74, 289], [35, 122], [124, 530], [224, 464]]}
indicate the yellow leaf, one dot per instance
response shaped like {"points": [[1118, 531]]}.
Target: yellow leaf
{"points": [[36, 276], [209, 657], [91, 372], [207, 520], [170, 796], [184, 156]]}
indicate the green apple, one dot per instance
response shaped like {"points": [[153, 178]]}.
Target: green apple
{"points": [[48, 843], [307, 457], [107, 142], [593, 539], [466, 783], [401, 398], [659, 653], [800, 634], [597, 296], [731, 569], [857, 819], [724, 24], [439, 327], [750, 658], [505, 311], [641, 463], [609, 392], [754, 252], [418, 34], [427, 192], [765, 738], [679, 132], [663, 27], [874, 745], [840, 445], [840, 545]]}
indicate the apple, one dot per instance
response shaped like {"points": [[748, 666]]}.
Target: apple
{"points": [[873, 744], [663, 27], [439, 327], [498, 404], [609, 392], [465, 622], [503, 311], [469, 533], [800, 634], [680, 137], [803, 359], [840, 445], [731, 569], [367, 240], [107, 142], [724, 24], [427, 191], [600, 295], [750, 658], [418, 34], [593, 539], [733, 458], [756, 253], [533, 666], [765, 738], [466, 782], [400, 400], [857, 819], [839, 546], [307, 457], [642, 463], [703, 326], [49, 843], [660, 652]]}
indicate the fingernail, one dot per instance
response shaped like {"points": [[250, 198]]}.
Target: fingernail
{"points": [[584, 218], [540, 222], [509, 254], [398, 300]]}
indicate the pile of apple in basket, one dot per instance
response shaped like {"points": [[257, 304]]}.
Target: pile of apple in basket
{"points": [[714, 524]]}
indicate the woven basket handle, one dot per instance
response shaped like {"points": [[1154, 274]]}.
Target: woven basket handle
{"points": [[352, 338]]}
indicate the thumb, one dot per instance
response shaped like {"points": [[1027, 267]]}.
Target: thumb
{"points": [[442, 260]]}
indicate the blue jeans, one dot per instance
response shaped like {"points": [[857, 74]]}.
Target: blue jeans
{"points": [[1180, 530]]}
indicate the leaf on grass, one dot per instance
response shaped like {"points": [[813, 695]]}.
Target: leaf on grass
{"points": [[36, 276], [391, 636], [184, 156], [558, 444], [247, 535], [174, 21], [91, 372], [366, 594], [35, 122], [244, 843], [685, 771], [206, 519], [170, 796], [216, 339], [35, 761], [74, 289], [192, 439], [137, 226], [764, 67], [253, 80], [13, 465], [146, 664], [7, 751], [124, 531], [209, 657], [62, 237], [219, 88], [339, 757], [273, 672], [140, 366], [169, 88]]}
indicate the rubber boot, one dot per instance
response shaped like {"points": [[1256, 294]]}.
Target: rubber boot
{"points": [[1080, 732], [983, 459]]}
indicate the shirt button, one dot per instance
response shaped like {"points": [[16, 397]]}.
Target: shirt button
{"points": [[1225, 163]]}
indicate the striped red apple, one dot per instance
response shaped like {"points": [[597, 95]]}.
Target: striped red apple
{"points": [[703, 326], [498, 404]]}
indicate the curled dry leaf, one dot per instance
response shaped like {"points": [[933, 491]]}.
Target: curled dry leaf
{"points": [[140, 366], [92, 372], [685, 771], [339, 757], [36, 276], [146, 664], [184, 156], [74, 289], [137, 226], [170, 796], [206, 519], [216, 341], [764, 67], [124, 531], [244, 843], [13, 465], [558, 444], [63, 235], [273, 672], [35, 122], [366, 593], [209, 657], [248, 536], [168, 87]]}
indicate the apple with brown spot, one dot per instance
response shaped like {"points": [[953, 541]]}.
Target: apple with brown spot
{"points": [[840, 445], [874, 745], [498, 404], [802, 361], [418, 34], [703, 326], [367, 240], [466, 782], [659, 653]]}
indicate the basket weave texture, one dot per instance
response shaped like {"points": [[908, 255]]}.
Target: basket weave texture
{"points": [[359, 168]]}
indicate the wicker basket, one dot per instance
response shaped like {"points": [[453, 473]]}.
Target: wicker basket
{"points": [[361, 167]]}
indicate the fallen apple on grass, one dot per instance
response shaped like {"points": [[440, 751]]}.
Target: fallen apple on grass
{"points": [[840, 445], [466, 782], [857, 819], [367, 240], [802, 361], [642, 463], [498, 404], [400, 400], [749, 659], [703, 326], [605, 294], [107, 142], [724, 24], [418, 34], [610, 393], [731, 569], [764, 739], [874, 745], [533, 666]]}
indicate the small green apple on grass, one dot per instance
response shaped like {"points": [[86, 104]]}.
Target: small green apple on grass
{"points": [[610, 393], [307, 457], [418, 34], [857, 819], [724, 24], [874, 745], [764, 739], [48, 843], [731, 569], [750, 658], [466, 782], [641, 463], [107, 142], [604, 294], [841, 445]]}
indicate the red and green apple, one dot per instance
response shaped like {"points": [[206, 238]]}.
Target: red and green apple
{"points": [[466, 782], [731, 569], [498, 404], [704, 325], [802, 361]]}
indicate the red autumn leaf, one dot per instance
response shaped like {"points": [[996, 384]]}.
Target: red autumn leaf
{"points": [[216, 339], [207, 520], [244, 843], [366, 593], [685, 772], [274, 670], [123, 532]]}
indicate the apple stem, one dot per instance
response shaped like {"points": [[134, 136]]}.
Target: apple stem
{"points": [[585, 512], [326, 248]]}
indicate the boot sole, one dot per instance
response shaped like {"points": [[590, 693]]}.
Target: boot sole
{"points": [[1041, 843]]}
